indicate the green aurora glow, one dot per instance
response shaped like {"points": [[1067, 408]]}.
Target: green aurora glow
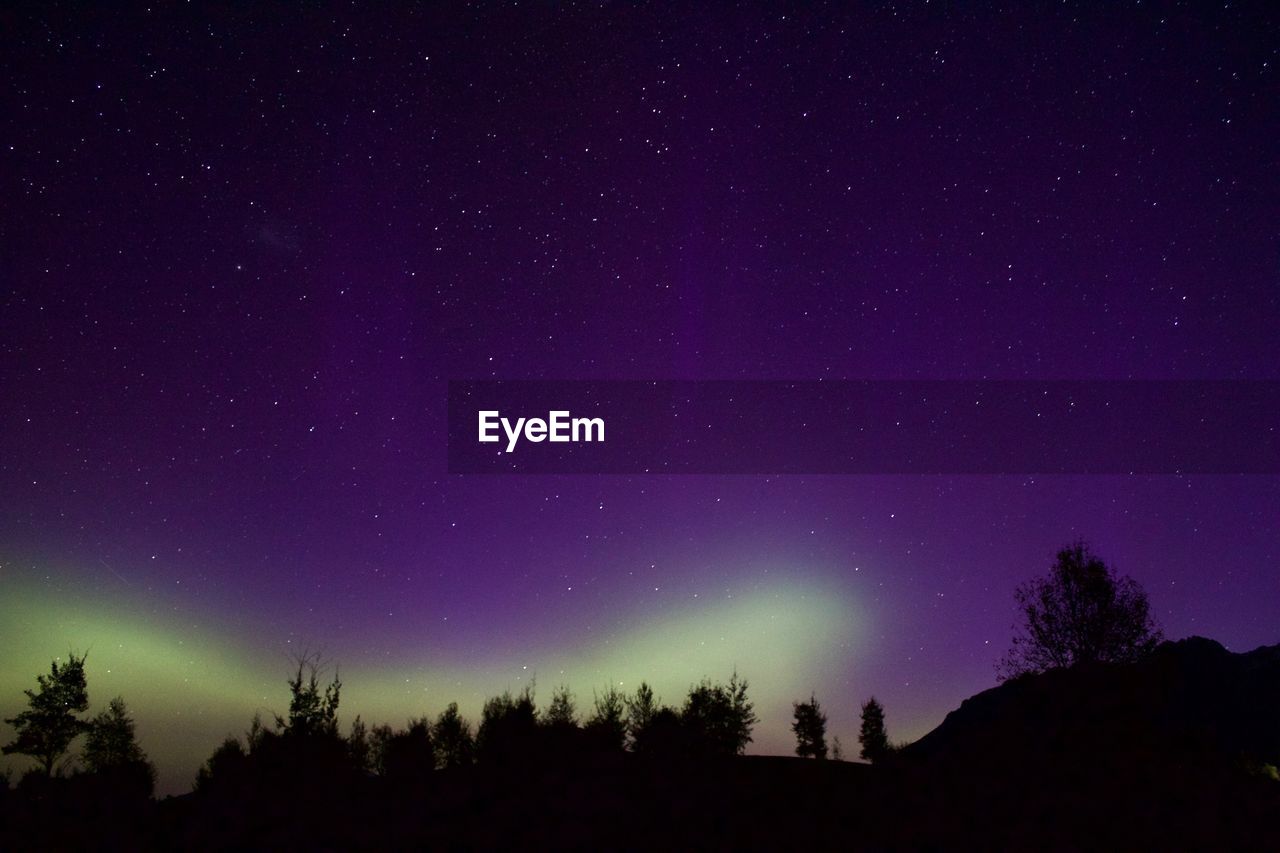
{"points": [[189, 686]]}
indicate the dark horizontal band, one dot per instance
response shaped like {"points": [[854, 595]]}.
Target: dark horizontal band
{"points": [[864, 427]]}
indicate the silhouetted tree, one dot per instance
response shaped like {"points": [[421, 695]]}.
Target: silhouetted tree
{"points": [[358, 746], [508, 726], [288, 789], [310, 711], [720, 716], [640, 709], [408, 755], [111, 749], [306, 752], [452, 735], [810, 727], [1082, 612], [227, 762], [873, 736], [47, 728], [379, 737], [607, 724], [562, 712], [662, 734], [256, 734]]}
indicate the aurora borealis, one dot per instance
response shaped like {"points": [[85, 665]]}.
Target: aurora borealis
{"points": [[245, 250], [193, 684]]}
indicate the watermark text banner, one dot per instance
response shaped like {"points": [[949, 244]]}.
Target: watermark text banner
{"points": [[863, 427]]}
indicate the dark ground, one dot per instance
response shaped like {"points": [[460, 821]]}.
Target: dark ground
{"points": [[751, 803]]}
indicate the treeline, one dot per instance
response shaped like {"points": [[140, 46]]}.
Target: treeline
{"points": [[572, 775], [301, 780], [1081, 612], [714, 719]]}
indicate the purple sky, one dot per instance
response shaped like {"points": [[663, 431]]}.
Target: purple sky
{"points": [[244, 250]]}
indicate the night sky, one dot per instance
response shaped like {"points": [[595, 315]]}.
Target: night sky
{"points": [[242, 252]]}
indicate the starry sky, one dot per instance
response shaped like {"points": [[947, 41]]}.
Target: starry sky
{"points": [[243, 250]]}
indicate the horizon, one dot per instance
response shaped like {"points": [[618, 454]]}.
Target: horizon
{"points": [[256, 689]]}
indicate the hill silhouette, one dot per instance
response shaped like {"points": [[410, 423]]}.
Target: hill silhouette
{"points": [[1170, 752], [1188, 693]]}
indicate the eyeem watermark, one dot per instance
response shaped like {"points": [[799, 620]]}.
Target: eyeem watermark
{"points": [[865, 427], [558, 427]]}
